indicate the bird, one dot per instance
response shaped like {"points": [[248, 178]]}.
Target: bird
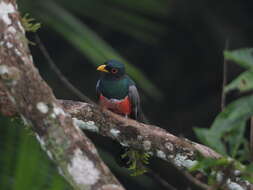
{"points": [[117, 92]]}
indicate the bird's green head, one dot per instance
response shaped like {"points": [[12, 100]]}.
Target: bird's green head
{"points": [[112, 68]]}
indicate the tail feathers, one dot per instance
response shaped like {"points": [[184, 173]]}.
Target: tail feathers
{"points": [[140, 116]]}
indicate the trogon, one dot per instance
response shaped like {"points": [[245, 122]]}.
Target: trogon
{"points": [[117, 92]]}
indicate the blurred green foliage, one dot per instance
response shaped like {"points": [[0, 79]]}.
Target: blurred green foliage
{"points": [[229, 123], [23, 165], [227, 133], [215, 169], [244, 58]]}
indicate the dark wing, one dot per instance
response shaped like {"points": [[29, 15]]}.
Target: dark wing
{"points": [[135, 101], [98, 92]]}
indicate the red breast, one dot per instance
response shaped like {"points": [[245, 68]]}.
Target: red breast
{"points": [[118, 106]]}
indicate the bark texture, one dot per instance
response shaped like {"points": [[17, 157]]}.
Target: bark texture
{"points": [[63, 141], [57, 123]]}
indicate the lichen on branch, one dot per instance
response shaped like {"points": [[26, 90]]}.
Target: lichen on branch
{"points": [[31, 98]]}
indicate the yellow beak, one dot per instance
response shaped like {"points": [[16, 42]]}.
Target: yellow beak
{"points": [[102, 68]]}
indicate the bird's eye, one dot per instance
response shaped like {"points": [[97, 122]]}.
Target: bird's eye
{"points": [[114, 71]]}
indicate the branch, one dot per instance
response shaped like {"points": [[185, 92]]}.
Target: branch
{"points": [[60, 136], [127, 132], [180, 152], [64, 142]]}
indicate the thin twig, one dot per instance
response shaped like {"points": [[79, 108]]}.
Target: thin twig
{"points": [[224, 80], [59, 74]]}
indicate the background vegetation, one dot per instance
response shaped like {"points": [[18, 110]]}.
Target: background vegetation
{"points": [[173, 50]]}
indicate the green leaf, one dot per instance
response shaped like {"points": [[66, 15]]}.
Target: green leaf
{"points": [[25, 181], [250, 168], [210, 138], [23, 164], [232, 118], [243, 57], [207, 164], [7, 152], [247, 173], [243, 82], [235, 138], [236, 112], [90, 44]]}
